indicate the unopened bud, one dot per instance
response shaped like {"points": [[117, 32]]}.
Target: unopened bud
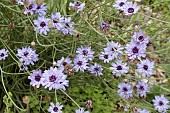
{"points": [[26, 100]]}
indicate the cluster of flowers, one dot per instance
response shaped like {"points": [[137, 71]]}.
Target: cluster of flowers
{"points": [[127, 7]]}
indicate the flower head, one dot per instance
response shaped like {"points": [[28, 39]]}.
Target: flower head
{"points": [[161, 103], [57, 20], [68, 26], [80, 63], [42, 25], [30, 9], [41, 9], [86, 52], [142, 88], [96, 69], [105, 27], [125, 90], [54, 79], [55, 108], [36, 78], [106, 57], [3, 54], [27, 55], [120, 4], [145, 67], [139, 37], [77, 6], [130, 8], [119, 68], [81, 110], [135, 50], [63, 62]]}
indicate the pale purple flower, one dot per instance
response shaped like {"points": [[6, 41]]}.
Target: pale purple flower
{"points": [[125, 90], [139, 37], [96, 69], [80, 63], [142, 110], [3, 54], [27, 55], [130, 8], [55, 108], [114, 49], [76, 6], [118, 68], [41, 9], [54, 79], [81, 110], [161, 103], [67, 26], [105, 56], [42, 25], [105, 27], [36, 78], [142, 88], [86, 52], [135, 50], [63, 62], [23, 67], [30, 9], [120, 4], [57, 20], [145, 67]]}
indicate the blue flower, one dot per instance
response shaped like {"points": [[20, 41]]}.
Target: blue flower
{"points": [[55, 108], [96, 69], [3, 54], [125, 90], [142, 88]]}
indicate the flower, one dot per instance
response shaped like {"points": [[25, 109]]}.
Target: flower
{"points": [[139, 37], [67, 26], [55, 108], [36, 78], [86, 52], [30, 9], [145, 67], [105, 27], [23, 67], [120, 4], [105, 56], [125, 90], [129, 8], [114, 49], [41, 9], [89, 103], [54, 79], [161, 103], [119, 68], [27, 55], [22, 2], [63, 62], [3, 54], [135, 50], [142, 88], [81, 110], [77, 6], [142, 110], [57, 19], [42, 25], [80, 63], [96, 69]]}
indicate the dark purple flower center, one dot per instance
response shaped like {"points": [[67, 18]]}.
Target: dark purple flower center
{"points": [[106, 56], [42, 24], [121, 4], [125, 89], [55, 21], [64, 63], [161, 103], [135, 50], [55, 109], [140, 38], [79, 63], [37, 78], [145, 67], [26, 53], [104, 26], [141, 88], [30, 7], [96, 69], [130, 10], [119, 67], [52, 78], [2, 54], [85, 52], [77, 4], [38, 7]]}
